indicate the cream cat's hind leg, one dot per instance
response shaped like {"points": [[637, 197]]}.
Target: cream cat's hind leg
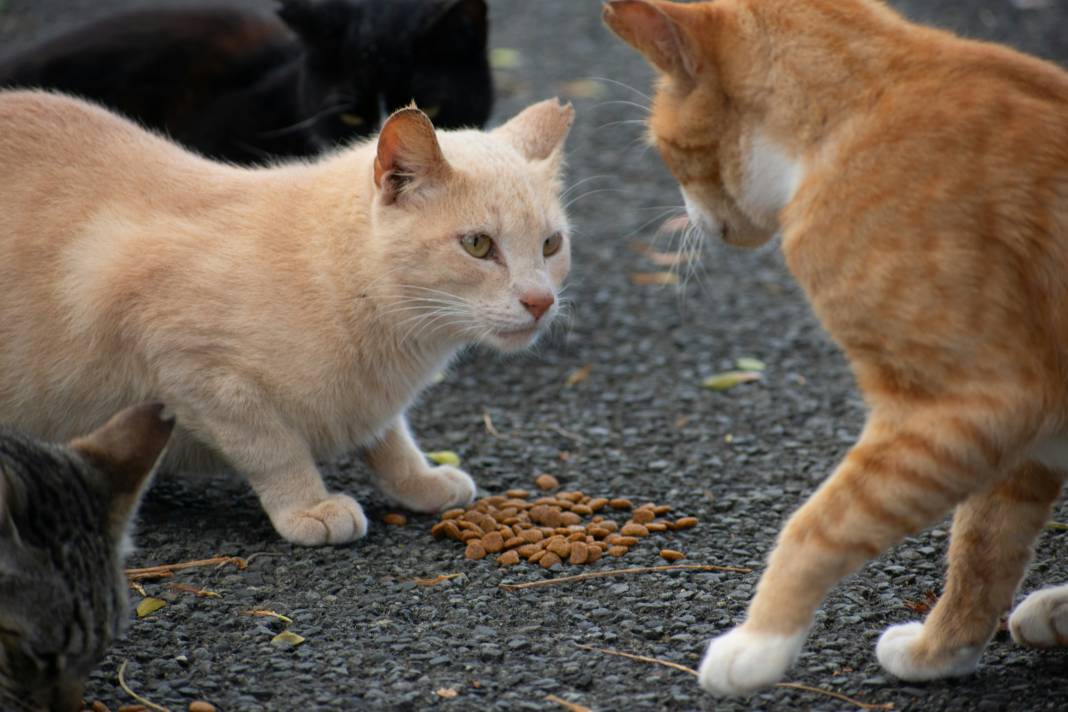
{"points": [[403, 475], [1041, 621], [990, 547]]}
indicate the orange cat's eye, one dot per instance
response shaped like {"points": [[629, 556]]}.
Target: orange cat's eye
{"points": [[552, 244], [477, 244]]}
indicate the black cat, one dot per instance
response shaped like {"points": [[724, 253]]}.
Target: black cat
{"points": [[245, 85]]}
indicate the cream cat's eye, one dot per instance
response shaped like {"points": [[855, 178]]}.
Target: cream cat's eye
{"points": [[477, 244], [552, 244]]}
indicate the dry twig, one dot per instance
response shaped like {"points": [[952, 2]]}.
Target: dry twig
{"points": [[436, 580], [621, 572], [488, 422], [259, 613], [569, 706], [198, 592], [131, 693], [167, 570], [574, 437], [789, 685]]}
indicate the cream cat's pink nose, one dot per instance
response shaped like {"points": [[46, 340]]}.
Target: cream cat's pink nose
{"points": [[537, 303]]}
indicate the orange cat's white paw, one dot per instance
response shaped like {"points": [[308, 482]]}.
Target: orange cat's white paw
{"points": [[743, 661], [338, 519], [897, 653], [1041, 621], [433, 490]]}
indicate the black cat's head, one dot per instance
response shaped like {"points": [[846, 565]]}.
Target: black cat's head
{"points": [[385, 54]]}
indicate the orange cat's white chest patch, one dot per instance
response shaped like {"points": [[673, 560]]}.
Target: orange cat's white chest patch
{"points": [[770, 179]]}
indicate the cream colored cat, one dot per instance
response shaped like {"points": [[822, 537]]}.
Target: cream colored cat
{"points": [[283, 314]]}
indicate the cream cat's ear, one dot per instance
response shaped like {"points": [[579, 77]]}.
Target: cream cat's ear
{"points": [[539, 131], [409, 155], [659, 30]]}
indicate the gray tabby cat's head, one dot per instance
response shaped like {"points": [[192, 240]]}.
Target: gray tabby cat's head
{"points": [[64, 513]]}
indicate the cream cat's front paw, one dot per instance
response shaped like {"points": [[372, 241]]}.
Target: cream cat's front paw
{"points": [[432, 490], [1041, 621], [743, 661], [898, 654], [338, 519]]}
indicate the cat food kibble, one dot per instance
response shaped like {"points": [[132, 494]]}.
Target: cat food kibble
{"points": [[394, 519], [201, 706], [546, 482], [551, 530]]}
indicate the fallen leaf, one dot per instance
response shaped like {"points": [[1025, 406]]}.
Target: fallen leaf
{"points": [[505, 58], [444, 457], [436, 580], [286, 639], [149, 605], [1057, 526], [139, 588], [748, 363], [583, 89], [729, 379], [644, 279], [447, 692], [578, 375], [259, 613]]}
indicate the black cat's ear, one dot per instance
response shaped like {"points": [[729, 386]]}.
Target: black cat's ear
{"points": [[661, 31], [409, 156], [539, 131], [125, 451]]}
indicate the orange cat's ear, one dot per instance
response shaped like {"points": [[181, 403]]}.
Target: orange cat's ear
{"points": [[539, 131], [408, 154], [658, 30]]}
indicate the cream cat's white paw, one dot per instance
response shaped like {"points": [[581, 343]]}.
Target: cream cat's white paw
{"points": [[742, 661], [1041, 621], [897, 655], [433, 490], [338, 519]]}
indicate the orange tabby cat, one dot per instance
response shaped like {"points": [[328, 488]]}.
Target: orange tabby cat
{"points": [[920, 184]]}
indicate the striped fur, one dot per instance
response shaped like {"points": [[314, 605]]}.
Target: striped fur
{"points": [[920, 185], [64, 512]]}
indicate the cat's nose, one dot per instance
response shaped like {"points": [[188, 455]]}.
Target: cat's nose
{"points": [[537, 303]]}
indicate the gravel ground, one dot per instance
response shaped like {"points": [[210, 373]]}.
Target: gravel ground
{"points": [[638, 426]]}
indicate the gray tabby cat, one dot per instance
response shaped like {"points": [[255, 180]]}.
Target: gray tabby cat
{"points": [[64, 514]]}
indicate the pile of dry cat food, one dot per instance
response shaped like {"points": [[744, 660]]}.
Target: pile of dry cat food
{"points": [[569, 527]]}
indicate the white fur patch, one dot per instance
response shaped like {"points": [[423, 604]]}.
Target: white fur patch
{"points": [[771, 179], [894, 651], [1041, 621], [709, 225], [741, 662]]}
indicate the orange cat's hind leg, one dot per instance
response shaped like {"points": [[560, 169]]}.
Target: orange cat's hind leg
{"points": [[990, 548], [905, 473], [1041, 620]]}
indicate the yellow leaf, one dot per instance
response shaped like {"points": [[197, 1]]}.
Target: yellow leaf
{"points": [[286, 639], [748, 363], [583, 89], [505, 58], [644, 279], [148, 606], [578, 375], [444, 457], [447, 692], [729, 379]]}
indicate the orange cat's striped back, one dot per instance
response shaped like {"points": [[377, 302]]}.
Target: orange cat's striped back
{"points": [[920, 183]]}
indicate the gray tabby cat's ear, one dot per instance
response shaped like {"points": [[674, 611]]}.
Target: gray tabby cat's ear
{"points": [[409, 156], [539, 131], [125, 451]]}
